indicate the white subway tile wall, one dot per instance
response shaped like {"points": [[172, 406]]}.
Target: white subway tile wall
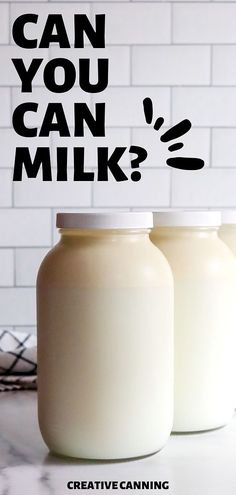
{"points": [[183, 56], [27, 264], [4, 23]]}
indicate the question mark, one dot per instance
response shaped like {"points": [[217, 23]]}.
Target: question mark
{"points": [[141, 156]]}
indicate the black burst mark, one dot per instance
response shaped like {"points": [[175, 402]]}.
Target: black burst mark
{"points": [[185, 163], [148, 110], [175, 147], [158, 123], [176, 131]]}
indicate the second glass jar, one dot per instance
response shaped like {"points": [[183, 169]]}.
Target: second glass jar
{"points": [[204, 273]]}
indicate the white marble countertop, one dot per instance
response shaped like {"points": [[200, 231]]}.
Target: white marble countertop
{"points": [[194, 464]]}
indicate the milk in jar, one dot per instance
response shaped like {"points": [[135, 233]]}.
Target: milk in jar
{"points": [[105, 339]]}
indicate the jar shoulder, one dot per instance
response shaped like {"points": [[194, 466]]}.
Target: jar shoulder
{"points": [[140, 264], [198, 257], [229, 238]]}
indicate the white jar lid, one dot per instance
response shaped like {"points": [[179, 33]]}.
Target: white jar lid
{"points": [[120, 220], [228, 217], [187, 219]]}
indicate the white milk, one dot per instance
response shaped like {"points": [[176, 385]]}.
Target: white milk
{"points": [[205, 318], [105, 348]]}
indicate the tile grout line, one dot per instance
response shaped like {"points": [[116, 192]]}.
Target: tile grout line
{"points": [[137, 86], [123, 2], [171, 123], [138, 44], [211, 84], [9, 23], [130, 82], [211, 66], [11, 110], [14, 267], [17, 287], [92, 195], [171, 23], [91, 12], [52, 226], [171, 189], [12, 183], [138, 127], [210, 149], [130, 66]]}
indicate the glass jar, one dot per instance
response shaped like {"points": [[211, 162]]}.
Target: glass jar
{"points": [[204, 273], [105, 343]]}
